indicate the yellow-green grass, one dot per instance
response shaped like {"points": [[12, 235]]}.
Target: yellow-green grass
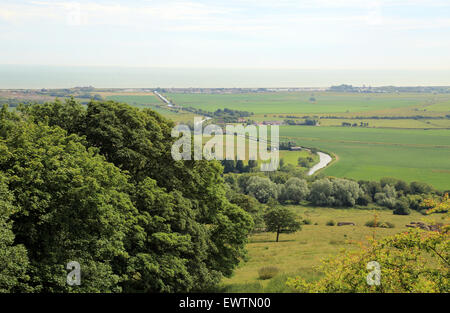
{"points": [[388, 123], [440, 107], [299, 253], [291, 157]]}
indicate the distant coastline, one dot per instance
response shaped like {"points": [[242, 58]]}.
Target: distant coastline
{"points": [[37, 76]]}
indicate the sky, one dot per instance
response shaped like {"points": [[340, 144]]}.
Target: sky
{"points": [[279, 34]]}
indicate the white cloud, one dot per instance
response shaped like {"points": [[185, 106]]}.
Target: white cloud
{"points": [[202, 17]]}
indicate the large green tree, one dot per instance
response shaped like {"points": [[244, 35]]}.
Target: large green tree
{"points": [[281, 220], [72, 205], [185, 234]]}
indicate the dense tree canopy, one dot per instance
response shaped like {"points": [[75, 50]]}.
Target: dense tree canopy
{"points": [[99, 186], [13, 258], [335, 193]]}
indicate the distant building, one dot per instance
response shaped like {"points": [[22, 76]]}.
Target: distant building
{"points": [[295, 148], [272, 123]]}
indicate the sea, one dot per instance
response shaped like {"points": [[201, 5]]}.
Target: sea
{"points": [[40, 76]]}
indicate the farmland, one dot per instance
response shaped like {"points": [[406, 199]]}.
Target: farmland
{"points": [[412, 149], [365, 153], [314, 102], [394, 142]]}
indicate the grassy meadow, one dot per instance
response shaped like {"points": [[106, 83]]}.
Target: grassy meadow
{"points": [[299, 253]]}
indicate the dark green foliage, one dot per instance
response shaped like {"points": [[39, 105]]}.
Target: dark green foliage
{"points": [[250, 205], [71, 205], [13, 258], [229, 166], [110, 196], [401, 207], [364, 199], [420, 188], [240, 168]]}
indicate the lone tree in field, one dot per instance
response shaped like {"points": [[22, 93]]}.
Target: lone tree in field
{"points": [[281, 220]]}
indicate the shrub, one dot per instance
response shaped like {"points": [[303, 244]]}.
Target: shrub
{"points": [[420, 188], [406, 211], [364, 200], [372, 223], [331, 223], [307, 221], [418, 255], [380, 224], [401, 208], [268, 272]]}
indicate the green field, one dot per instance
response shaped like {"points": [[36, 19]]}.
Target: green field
{"points": [[409, 149], [391, 123], [300, 103], [298, 253], [369, 153]]}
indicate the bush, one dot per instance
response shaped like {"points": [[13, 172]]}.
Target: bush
{"points": [[268, 272], [402, 211], [307, 221], [380, 224], [387, 225], [420, 188], [401, 208], [372, 223], [364, 200], [331, 223]]}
